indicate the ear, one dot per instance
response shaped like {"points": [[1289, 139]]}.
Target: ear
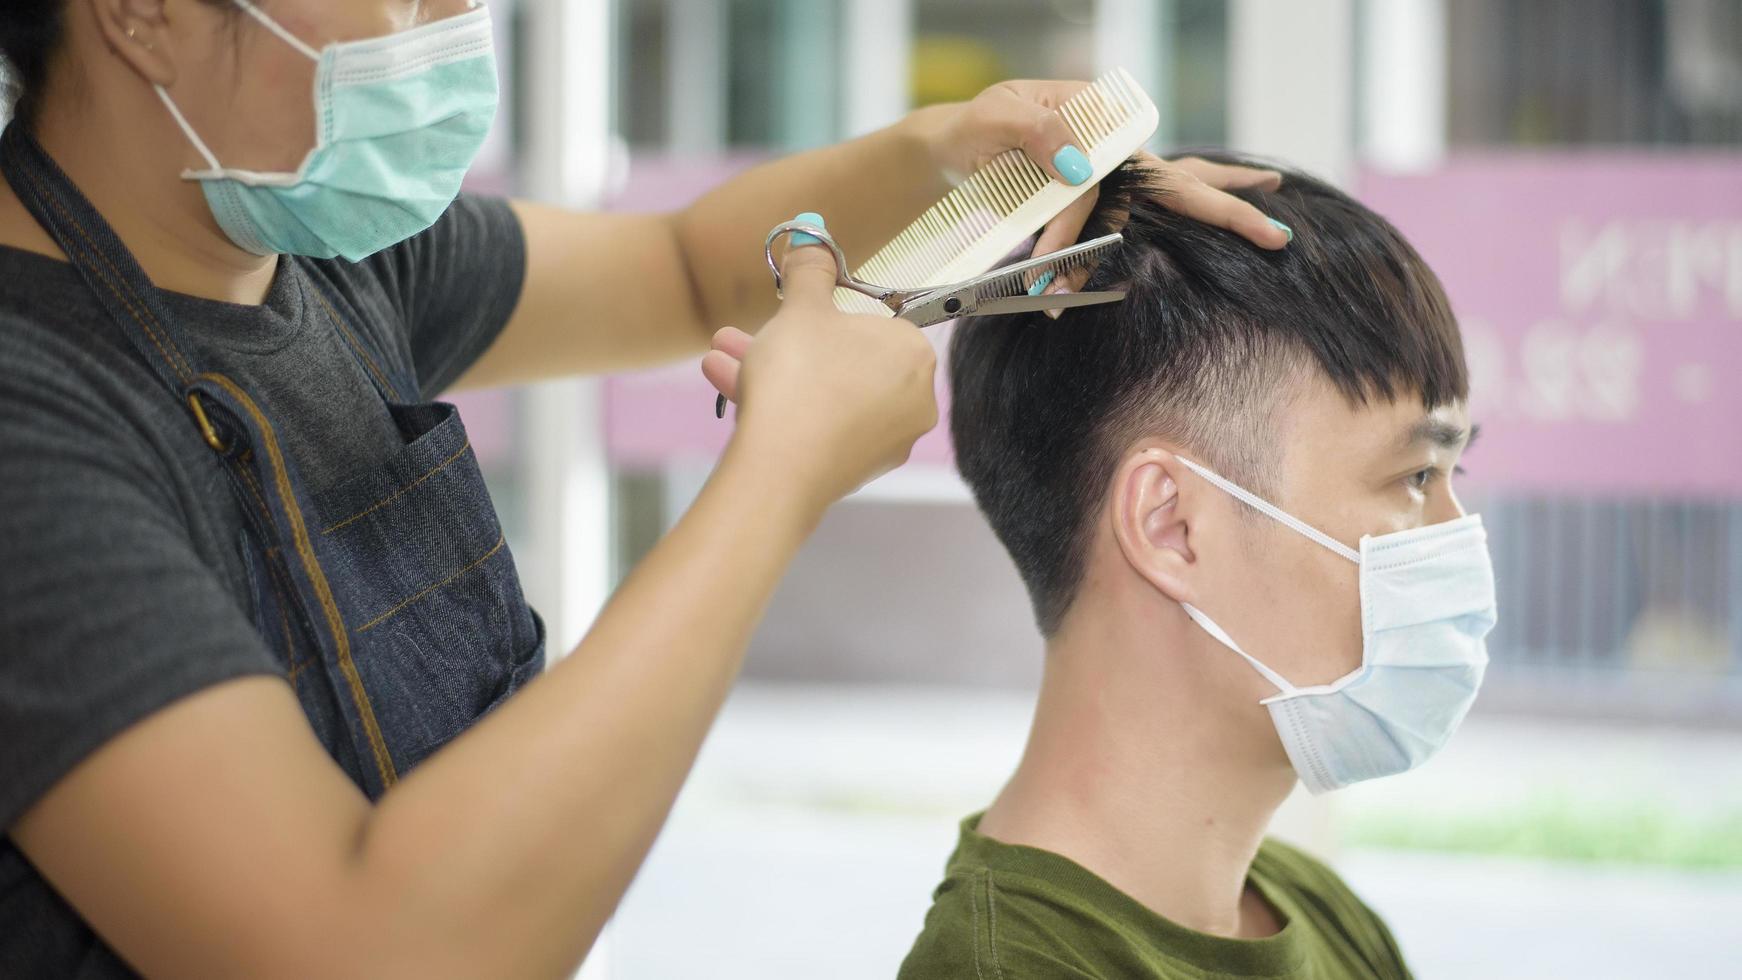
{"points": [[1149, 523], [137, 31]]}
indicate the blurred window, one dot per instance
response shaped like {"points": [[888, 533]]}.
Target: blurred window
{"points": [[711, 74], [1556, 72]]}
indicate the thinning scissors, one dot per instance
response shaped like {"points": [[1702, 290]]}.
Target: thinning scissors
{"points": [[1002, 291]]}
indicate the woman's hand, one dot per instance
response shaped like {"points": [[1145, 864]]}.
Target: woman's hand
{"points": [[1024, 115], [834, 399], [1193, 187]]}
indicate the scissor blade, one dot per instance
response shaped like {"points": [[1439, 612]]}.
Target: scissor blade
{"points": [[1053, 301], [1011, 281]]}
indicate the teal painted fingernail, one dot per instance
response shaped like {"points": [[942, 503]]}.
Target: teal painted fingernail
{"points": [[1072, 165], [808, 218], [1289, 231], [1040, 284]]}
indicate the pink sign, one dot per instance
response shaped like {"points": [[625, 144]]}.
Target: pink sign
{"points": [[1601, 303]]}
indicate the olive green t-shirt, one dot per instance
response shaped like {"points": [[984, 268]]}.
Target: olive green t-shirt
{"points": [[1005, 911]]}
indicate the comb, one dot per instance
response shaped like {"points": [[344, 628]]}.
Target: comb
{"points": [[999, 206]]}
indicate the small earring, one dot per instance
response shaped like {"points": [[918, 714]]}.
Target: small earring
{"points": [[133, 35]]}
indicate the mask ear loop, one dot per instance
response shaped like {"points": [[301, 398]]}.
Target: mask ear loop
{"points": [[274, 27], [188, 129], [1272, 511], [180, 120], [1284, 689]]}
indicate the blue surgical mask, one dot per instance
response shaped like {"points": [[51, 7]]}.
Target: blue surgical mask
{"points": [[1427, 603], [398, 120]]}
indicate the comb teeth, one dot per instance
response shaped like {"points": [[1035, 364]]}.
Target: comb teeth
{"points": [[979, 222]]}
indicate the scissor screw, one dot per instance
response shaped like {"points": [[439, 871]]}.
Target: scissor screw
{"points": [[952, 304]]}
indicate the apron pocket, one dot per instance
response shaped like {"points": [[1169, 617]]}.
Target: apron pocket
{"points": [[439, 629]]}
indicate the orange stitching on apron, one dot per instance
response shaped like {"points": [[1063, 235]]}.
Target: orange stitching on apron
{"points": [[335, 623], [253, 485], [312, 567], [402, 491], [278, 579], [351, 339], [377, 621], [285, 589], [296, 671], [176, 362], [296, 665]]}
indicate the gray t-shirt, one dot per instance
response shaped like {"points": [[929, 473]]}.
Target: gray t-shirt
{"points": [[121, 585]]}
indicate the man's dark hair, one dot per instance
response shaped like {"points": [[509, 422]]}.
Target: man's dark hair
{"points": [[1213, 336]]}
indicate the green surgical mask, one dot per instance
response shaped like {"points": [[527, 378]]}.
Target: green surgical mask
{"points": [[399, 120]]}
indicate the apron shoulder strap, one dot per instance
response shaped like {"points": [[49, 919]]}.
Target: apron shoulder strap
{"points": [[113, 275]]}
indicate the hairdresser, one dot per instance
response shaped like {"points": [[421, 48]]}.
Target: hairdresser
{"points": [[271, 699]]}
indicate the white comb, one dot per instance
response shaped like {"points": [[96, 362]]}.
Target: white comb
{"points": [[1000, 205]]}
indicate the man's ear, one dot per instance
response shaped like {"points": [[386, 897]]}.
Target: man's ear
{"points": [[1149, 523], [137, 31]]}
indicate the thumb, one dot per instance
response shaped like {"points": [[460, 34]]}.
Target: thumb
{"points": [[809, 273]]}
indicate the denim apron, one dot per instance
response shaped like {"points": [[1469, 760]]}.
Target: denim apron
{"points": [[391, 601]]}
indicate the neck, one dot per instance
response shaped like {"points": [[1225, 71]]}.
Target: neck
{"points": [[122, 160], [1135, 772]]}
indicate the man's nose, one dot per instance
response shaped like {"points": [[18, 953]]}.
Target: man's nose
{"points": [[1443, 507], [451, 8]]}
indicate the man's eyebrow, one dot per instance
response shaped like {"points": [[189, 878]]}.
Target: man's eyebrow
{"points": [[1441, 433]]}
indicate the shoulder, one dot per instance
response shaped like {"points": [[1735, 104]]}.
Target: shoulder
{"points": [[990, 925], [41, 347], [135, 593], [59, 375], [89, 436], [1323, 896], [950, 944]]}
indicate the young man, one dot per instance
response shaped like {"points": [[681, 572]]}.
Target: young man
{"points": [[1230, 498]]}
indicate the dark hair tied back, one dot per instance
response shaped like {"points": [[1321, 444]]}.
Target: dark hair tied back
{"points": [[30, 30]]}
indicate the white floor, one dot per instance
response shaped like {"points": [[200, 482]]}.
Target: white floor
{"points": [[818, 820]]}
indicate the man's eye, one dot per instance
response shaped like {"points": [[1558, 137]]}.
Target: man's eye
{"points": [[1421, 479]]}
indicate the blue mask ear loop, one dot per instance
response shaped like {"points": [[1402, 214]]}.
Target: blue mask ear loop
{"points": [[187, 129], [1285, 690], [1272, 511]]}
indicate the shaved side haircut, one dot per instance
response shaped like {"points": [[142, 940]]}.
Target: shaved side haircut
{"points": [[1213, 339]]}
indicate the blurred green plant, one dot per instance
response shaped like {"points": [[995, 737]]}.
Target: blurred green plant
{"points": [[1561, 828]]}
